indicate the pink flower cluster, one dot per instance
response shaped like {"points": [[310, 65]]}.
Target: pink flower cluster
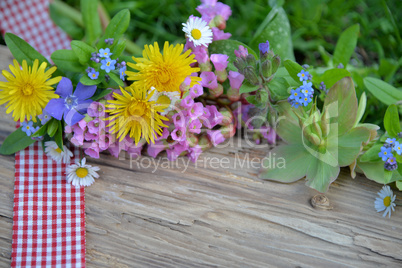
{"points": [[193, 128], [92, 134], [215, 14], [243, 117]]}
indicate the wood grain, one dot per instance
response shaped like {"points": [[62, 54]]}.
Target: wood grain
{"points": [[218, 217]]}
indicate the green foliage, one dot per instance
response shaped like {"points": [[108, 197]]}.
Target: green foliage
{"points": [[66, 60], [90, 17], [116, 27], [276, 29], [346, 45], [382, 90], [319, 144], [391, 121], [21, 50], [16, 141], [82, 51]]}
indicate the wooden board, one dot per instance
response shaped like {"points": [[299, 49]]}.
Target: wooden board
{"points": [[218, 217]]}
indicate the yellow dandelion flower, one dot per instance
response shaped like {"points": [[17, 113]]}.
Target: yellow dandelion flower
{"points": [[165, 72], [28, 89], [133, 113]]}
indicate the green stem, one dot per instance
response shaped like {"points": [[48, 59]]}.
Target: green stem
{"points": [[69, 11]]}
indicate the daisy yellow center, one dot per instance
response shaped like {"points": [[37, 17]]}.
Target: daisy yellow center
{"points": [[28, 89], [196, 34], [58, 150], [164, 71], [387, 201], [163, 99], [81, 172]]}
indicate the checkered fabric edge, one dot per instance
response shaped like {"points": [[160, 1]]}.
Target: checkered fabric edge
{"points": [[30, 20], [49, 213]]}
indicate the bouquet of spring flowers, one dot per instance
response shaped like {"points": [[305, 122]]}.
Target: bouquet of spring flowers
{"points": [[182, 99]]}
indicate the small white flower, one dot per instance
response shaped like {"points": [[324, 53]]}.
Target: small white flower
{"points": [[197, 31], [54, 152], [80, 174], [385, 201], [167, 99]]}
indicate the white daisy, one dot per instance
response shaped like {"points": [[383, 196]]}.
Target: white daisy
{"points": [[166, 98], [54, 152], [385, 201], [80, 174], [197, 31]]}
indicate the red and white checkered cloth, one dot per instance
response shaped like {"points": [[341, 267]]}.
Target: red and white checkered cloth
{"points": [[49, 213], [30, 20]]}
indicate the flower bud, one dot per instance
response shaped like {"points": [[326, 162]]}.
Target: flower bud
{"points": [[240, 64], [233, 94], [266, 68], [216, 92], [251, 76], [251, 61], [325, 123], [220, 22], [313, 138], [221, 75], [276, 62]]}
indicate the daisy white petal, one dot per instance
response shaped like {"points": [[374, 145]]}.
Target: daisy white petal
{"points": [[385, 201], [53, 151], [197, 31], [81, 174]]}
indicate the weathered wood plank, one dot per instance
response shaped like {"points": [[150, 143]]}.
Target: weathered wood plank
{"points": [[218, 217]]}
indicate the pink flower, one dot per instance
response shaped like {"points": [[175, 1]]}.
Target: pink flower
{"points": [[209, 80], [196, 110], [96, 109], [96, 125], [187, 102], [194, 153], [82, 124], [220, 61], [90, 137], [220, 34], [175, 152], [215, 136], [154, 149], [185, 85], [165, 134], [215, 116], [269, 133], [93, 150], [195, 126], [242, 52], [196, 91], [78, 138], [235, 79], [104, 141], [179, 134], [178, 119], [200, 52], [115, 148]]}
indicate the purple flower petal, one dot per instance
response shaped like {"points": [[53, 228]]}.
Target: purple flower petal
{"points": [[72, 117], [65, 88], [83, 92], [55, 108]]}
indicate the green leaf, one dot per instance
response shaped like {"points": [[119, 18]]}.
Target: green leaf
{"points": [[246, 87], [67, 18], [362, 108], [371, 155], [90, 16], [228, 47], [391, 121], [320, 175], [119, 48], [383, 91], [117, 79], [82, 51], [293, 69], [350, 145], [288, 125], [252, 100], [52, 128], [276, 29], [117, 27], [100, 93], [331, 76], [346, 45], [387, 176], [399, 185], [21, 50], [341, 103], [89, 82], [375, 171], [296, 161], [279, 88], [41, 131], [58, 138], [16, 141], [66, 60]]}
